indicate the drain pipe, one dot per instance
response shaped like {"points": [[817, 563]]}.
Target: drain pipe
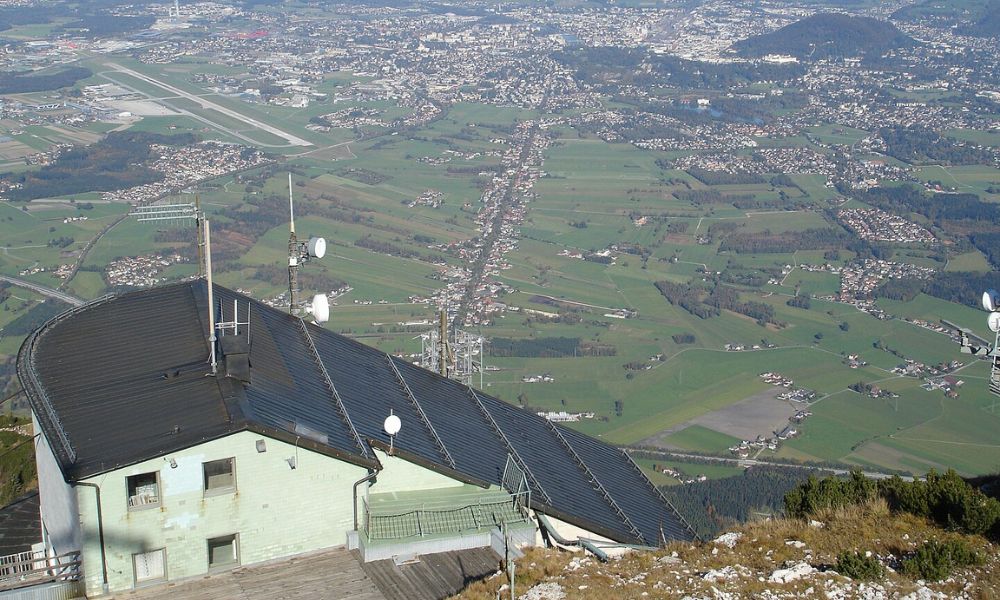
{"points": [[372, 473], [100, 533]]}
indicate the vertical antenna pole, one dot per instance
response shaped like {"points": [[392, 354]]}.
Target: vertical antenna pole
{"points": [[443, 343], [211, 297], [291, 207], [198, 219], [293, 256]]}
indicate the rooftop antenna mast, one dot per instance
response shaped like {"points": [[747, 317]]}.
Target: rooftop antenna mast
{"points": [[293, 255], [977, 346], [211, 298], [298, 253], [444, 348]]}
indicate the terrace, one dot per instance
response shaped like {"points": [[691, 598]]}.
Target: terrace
{"points": [[421, 521]]}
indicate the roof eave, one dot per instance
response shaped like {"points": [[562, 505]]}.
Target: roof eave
{"points": [[590, 526]]}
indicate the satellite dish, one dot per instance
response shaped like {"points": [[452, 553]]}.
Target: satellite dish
{"points": [[316, 247], [392, 425], [320, 308], [994, 322], [991, 300]]}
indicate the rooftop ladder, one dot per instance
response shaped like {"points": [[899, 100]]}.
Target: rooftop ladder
{"points": [[593, 478], [658, 493], [510, 447], [420, 411], [333, 389]]}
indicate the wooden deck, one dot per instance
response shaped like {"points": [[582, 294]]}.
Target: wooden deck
{"points": [[331, 575], [432, 576]]}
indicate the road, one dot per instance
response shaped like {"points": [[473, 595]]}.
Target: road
{"points": [[45, 291], [292, 139], [752, 462]]}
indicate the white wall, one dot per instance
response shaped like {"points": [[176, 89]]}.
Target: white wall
{"points": [[276, 510], [400, 475], [60, 514]]}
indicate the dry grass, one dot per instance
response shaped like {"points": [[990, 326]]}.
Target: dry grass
{"points": [[762, 548]]}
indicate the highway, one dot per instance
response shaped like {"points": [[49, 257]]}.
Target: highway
{"points": [[45, 291], [752, 462]]}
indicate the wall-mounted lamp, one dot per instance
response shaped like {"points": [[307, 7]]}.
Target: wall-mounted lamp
{"points": [[261, 446], [172, 462], [292, 463]]}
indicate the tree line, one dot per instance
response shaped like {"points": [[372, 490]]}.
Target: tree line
{"points": [[714, 505], [12, 82], [114, 163]]}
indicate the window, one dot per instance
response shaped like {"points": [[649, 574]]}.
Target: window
{"points": [[143, 490], [219, 475], [223, 551], [149, 566]]}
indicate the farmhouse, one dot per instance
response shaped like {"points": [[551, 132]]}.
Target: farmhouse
{"points": [[156, 467]]}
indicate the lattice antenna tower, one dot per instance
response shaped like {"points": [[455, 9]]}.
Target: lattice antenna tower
{"points": [[977, 346], [453, 353]]}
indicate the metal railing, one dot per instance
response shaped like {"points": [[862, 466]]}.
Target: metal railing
{"points": [[401, 520], [32, 568]]}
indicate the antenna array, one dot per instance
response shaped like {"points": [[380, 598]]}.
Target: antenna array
{"points": [[455, 354], [299, 253]]}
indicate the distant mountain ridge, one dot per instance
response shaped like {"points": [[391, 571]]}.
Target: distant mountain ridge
{"points": [[827, 35]]}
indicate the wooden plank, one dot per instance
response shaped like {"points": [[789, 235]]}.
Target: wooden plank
{"points": [[434, 576], [330, 575]]}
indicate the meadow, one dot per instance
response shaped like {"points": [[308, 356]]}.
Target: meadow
{"points": [[657, 380]]}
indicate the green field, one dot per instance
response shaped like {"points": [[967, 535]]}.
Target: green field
{"points": [[354, 188]]}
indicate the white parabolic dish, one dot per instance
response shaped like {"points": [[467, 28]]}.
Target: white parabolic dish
{"points": [[392, 425]]}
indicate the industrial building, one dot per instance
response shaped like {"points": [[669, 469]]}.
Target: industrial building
{"points": [[152, 469]]}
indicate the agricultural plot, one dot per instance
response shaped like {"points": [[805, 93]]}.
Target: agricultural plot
{"points": [[666, 377]]}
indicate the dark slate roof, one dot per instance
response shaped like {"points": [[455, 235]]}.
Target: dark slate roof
{"points": [[20, 525], [133, 369]]}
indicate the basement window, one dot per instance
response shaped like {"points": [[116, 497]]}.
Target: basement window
{"points": [[224, 551], [150, 566], [143, 490], [220, 475]]}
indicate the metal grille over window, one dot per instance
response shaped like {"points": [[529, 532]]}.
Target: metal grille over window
{"points": [[149, 566]]}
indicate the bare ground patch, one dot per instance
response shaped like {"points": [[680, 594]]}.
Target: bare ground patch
{"points": [[760, 414]]}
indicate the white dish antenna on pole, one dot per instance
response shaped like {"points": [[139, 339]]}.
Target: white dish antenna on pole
{"points": [[994, 322], [299, 253], [392, 425], [319, 308], [991, 300], [316, 247]]}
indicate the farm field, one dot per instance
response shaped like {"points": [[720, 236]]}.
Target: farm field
{"points": [[663, 375]]}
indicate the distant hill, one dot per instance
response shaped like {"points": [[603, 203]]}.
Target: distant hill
{"points": [[827, 35], [988, 23], [979, 18]]}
